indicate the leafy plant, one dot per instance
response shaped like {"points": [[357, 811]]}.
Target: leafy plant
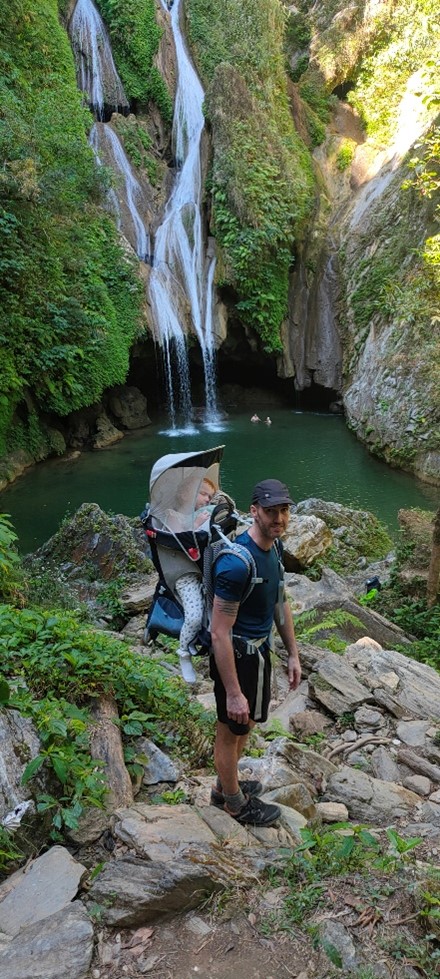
{"points": [[43, 651], [172, 797], [67, 342], [9, 559], [135, 36], [345, 154], [10, 854]]}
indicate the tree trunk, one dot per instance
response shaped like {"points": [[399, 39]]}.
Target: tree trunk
{"points": [[106, 744], [432, 590]]}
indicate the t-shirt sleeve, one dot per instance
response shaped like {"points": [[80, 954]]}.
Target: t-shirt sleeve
{"points": [[230, 578]]}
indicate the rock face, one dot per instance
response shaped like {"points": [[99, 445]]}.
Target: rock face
{"points": [[37, 952], [359, 276], [19, 743]]}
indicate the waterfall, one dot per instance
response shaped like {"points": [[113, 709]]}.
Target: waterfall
{"points": [[103, 135], [112, 197], [96, 71], [97, 76], [181, 279]]}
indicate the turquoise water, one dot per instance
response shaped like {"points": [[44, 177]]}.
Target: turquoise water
{"points": [[314, 454]]}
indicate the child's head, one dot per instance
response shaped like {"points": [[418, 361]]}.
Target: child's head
{"points": [[206, 492]]}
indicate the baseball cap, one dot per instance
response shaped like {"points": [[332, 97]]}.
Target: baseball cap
{"points": [[271, 492]]}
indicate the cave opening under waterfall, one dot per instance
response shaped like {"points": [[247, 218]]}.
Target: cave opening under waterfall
{"points": [[239, 381]]}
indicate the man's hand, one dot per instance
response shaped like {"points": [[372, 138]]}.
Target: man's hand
{"points": [[237, 708], [294, 671]]}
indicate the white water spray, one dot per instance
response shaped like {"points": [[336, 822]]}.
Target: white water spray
{"points": [[96, 71], [181, 275], [105, 136]]}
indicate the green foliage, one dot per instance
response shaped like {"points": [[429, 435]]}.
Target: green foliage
{"points": [[404, 602], [135, 37], [307, 628], [344, 850], [345, 154], [10, 854], [374, 291], [409, 42], [67, 341], [9, 559], [54, 669], [171, 798], [261, 175], [137, 144], [316, 97], [78, 779]]}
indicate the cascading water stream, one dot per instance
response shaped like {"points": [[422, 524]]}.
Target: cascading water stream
{"points": [[112, 197], [102, 135], [181, 275], [98, 78], [96, 71]]}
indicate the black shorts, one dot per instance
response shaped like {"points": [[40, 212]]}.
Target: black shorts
{"points": [[254, 672]]}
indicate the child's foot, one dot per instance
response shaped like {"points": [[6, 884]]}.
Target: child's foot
{"points": [[186, 668]]}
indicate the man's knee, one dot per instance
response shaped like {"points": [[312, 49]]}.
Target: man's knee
{"points": [[224, 735]]}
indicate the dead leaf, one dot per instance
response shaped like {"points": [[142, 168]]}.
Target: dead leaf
{"points": [[140, 937]]}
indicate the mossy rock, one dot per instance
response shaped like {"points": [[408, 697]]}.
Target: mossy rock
{"points": [[357, 534], [98, 543]]}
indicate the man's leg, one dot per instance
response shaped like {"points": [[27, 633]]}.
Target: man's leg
{"points": [[246, 809], [226, 754]]}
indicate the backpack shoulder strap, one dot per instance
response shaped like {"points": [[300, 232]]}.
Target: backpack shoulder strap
{"points": [[217, 549], [281, 594]]}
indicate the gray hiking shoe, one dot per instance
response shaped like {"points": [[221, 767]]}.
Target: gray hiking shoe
{"points": [[256, 813], [247, 787]]}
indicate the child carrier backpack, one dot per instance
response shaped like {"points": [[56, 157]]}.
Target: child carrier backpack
{"points": [[176, 546]]}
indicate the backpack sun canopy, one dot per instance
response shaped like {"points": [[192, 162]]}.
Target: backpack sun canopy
{"points": [[175, 482]]}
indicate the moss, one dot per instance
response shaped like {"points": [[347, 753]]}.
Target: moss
{"points": [[135, 36], [261, 178], [67, 341]]}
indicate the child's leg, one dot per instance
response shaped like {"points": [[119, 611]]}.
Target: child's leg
{"points": [[190, 594]]}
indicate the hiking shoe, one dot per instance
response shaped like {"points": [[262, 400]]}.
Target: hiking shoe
{"points": [[256, 813], [247, 787]]}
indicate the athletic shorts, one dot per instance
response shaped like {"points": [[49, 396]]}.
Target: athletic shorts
{"points": [[254, 672]]}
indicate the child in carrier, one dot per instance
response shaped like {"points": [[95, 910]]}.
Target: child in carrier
{"points": [[188, 586], [185, 496]]}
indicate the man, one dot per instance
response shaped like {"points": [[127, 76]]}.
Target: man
{"points": [[240, 665]]}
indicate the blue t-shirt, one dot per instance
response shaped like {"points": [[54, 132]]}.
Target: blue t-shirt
{"points": [[255, 615]]}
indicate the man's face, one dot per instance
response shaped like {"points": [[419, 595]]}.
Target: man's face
{"points": [[271, 520]]}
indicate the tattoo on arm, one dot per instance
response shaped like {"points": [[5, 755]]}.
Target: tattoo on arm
{"points": [[227, 608]]}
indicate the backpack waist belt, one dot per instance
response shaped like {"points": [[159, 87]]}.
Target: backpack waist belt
{"points": [[252, 647], [249, 646]]}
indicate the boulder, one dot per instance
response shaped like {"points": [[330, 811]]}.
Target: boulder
{"points": [[47, 885], [19, 744], [94, 539], [418, 693], [331, 593], [369, 799], [306, 538], [129, 407], [132, 892], [39, 949]]}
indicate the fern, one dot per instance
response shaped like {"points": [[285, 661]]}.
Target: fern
{"points": [[306, 626]]}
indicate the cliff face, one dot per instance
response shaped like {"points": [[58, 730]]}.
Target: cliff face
{"points": [[363, 309]]}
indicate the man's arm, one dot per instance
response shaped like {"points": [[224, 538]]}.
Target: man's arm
{"points": [[287, 633], [224, 614]]}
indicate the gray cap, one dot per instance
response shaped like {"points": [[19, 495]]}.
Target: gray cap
{"points": [[271, 492]]}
